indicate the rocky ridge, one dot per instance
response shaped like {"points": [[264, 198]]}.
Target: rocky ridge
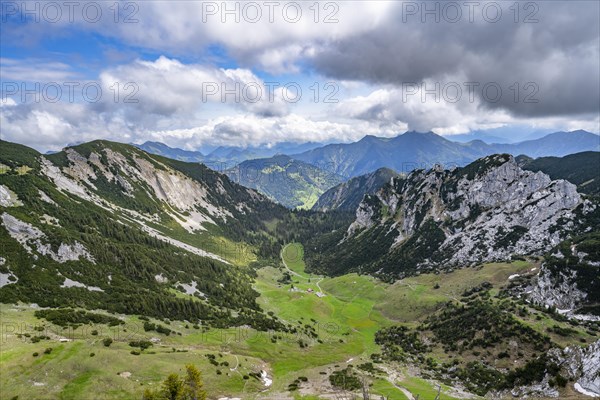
{"points": [[487, 211]]}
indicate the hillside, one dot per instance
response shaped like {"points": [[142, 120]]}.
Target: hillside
{"points": [[290, 182], [105, 225], [347, 195], [489, 210], [581, 169]]}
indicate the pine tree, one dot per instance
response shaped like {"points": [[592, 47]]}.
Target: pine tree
{"points": [[150, 395], [172, 387], [192, 384]]}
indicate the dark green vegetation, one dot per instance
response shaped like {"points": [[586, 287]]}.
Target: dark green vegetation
{"points": [[144, 297], [486, 342], [190, 387], [581, 169], [290, 182], [124, 259], [68, 317]]}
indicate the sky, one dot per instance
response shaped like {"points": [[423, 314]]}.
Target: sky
{"points": [[196, 74]]}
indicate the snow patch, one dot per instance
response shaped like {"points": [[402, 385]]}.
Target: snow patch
{"points": [[581, 390], [265, 378]]}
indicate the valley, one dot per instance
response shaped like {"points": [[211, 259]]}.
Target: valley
{"points": [[324, 200], [119, 268], [345, 320]]}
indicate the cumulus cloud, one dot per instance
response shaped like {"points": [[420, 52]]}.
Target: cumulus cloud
{"points": [[386, 57], [166, 87], [559, 54]]}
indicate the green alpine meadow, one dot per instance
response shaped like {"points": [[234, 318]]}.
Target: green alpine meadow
{"points": [[121, 268]]}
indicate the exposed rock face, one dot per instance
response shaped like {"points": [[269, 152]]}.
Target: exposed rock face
{"points": [[487, 210], [577, 364], [46, 198], [71, 283], [582, 365], [187, 198], [31, 238], [541, 389], [62, 181], [555, 291], [8, 198], [348, 195]]}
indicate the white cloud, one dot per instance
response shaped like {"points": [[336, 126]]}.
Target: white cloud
{"points": [[35, 70], [167, 87], [173, 106]]}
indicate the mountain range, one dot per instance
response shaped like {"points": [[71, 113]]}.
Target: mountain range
{"points": [[413, 150], [224, 157], [482, 277], [330, 163], [486, 211]]}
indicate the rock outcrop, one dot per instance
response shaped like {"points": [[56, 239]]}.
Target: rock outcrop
{"points": [[33, 239], [488, 210]]}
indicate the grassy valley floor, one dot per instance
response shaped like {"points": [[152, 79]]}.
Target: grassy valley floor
{"points": [[335, 321]]}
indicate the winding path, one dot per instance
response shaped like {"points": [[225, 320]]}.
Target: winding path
{"points": [[298, 275]]}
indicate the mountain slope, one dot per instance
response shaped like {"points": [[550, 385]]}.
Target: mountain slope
{"points": [[413, 150], [287, 181], [556, 144], [162, 149], [348, 195], [487, 211], [582, 169], [231, 155], [105, 225]]}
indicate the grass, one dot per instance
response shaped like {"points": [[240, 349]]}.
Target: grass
{"points": [[424, 389], [346, 319], [385, 388], [22, 170], [416, 297]]}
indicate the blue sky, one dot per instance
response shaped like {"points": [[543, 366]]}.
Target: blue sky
{"points": [[188, 74]]}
